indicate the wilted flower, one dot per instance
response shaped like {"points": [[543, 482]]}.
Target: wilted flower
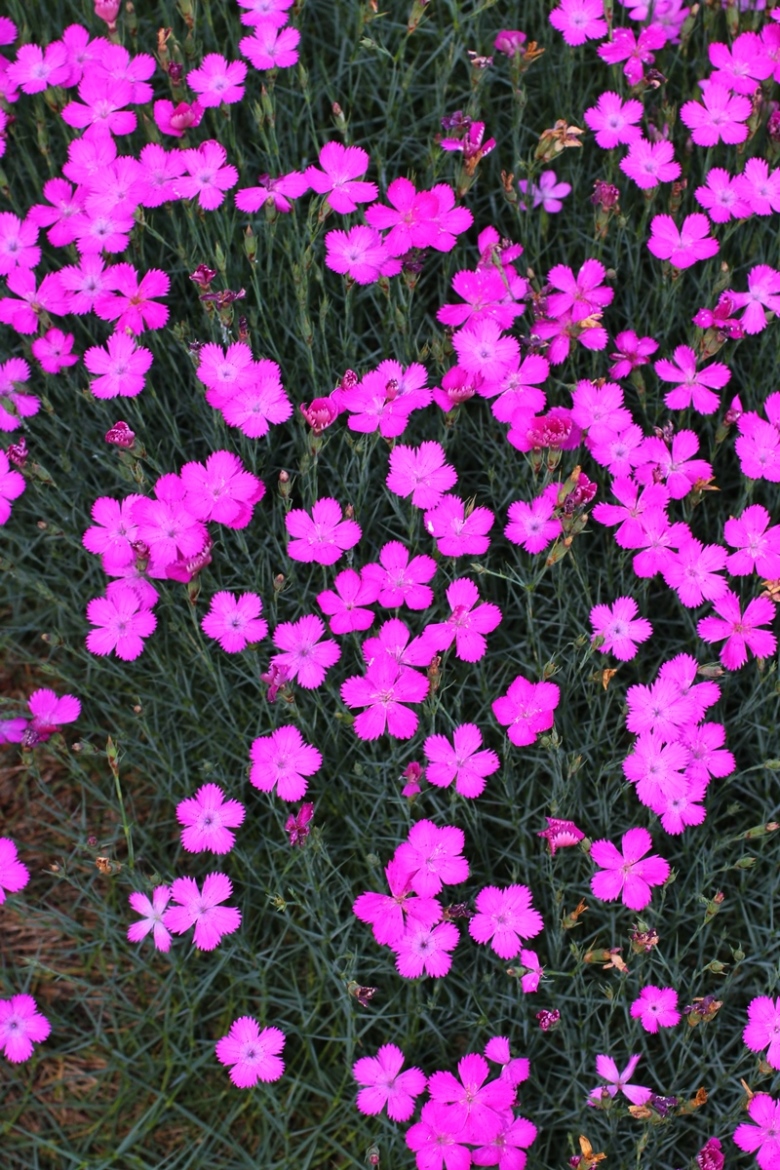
{"points": [[548, 1021], [120, 435], [298, 825], [560, 833]]}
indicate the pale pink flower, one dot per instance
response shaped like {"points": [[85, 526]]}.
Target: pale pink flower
{"points": [[624, 875], [207, 819], [503, 918], [323, 536], [385, 1085], [619, 1082], [282, 760], [461, 761], [253, 1054], [203, 910], [151, 918], [547, 193], [303, 655], [656, 1007]]}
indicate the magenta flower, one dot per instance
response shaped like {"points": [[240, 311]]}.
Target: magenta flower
{"points": [[533, 525], [49, 712], [132, 305], [421, 473], [581, 295], [476, 1104], [344, 604], [426, 949], [458, 533], [207, 819], [624, 875], [721, 198], [579, 21], [208, 177], [657, 769], [113, 532], [278, 190], [384, 691], [547, 193], [412, 220], [711, 1156], [176, 120], [323, 536], [151, 918], [435, 1141], [503, 918], [23, 310], [254, 1055], [650, 163], [526, 709], [682, 247], [692, 387], [721, 117], [483, 349], [17, 243], [763, 1028], [303, 655], [401, 580], [613, 121], [359, 253], [385, 1084], [121, 620], [11, 487], [14, 876], [742, 66], [618, 1082], [485, 295], [759, 187], [122, 367], [54, 351], [298, 825], [283, 760], [432, 857], [560, 834], [270, 47], [388, 914], [460, 761], [466, 625], [21, 1026], [674, 466], [234, 622], [758, 545], [741, 630], [216, 81], [693, 572], [202, 910], [338, 177], [762, 294], [635, 51], [35, 68], [222, 490], [619, 628], [763, 1138], [656, 1007]]}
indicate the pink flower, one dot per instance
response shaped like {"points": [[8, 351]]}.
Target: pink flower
{"points": [[504, 916], [436, 1141], [681, 246], [208, 818], [385, 1084], [262, 12], [675, 466], [222, 490], [270, 47], [254, 406], [279, 191], [50, 712], [22, 314], [176, 120], [323, 536], [389, 914], [693, 387], [122, 367], [526, 709], [282, 760], [614, 121], [721, 118], [151, 918], [426, 949], [401, 580], [14, 876], [763, 1028], [338, 178], [344, 604], [113, 532], [82, 284], [297, 826], [384, 398], [581, 296], [132, 306], [11, 487], [693, 571], [650, 163], [624, 875], [253, 1054], [216, 81], [432, 857], [53, 351], [101, 106], [763, 1138], [122, 622], [721, 198], [393, 642], [208, 177], [456, 532], [635, 51], [742, 66], [600, 409], [711, 1156], [579, 21], [759, 188], [412, 219], [466, 625], [619, 628], [477, 1108], [21, 1026], [421, 473], [656, 1007], [384, 690], [559, 834], [741, 630], [486, 295], [360, 253], [234, 622], [303, 655], [763, 289], [202, 910], [547, 193], [460, 761], [483, 350], [533, 525], [159, 170], [17, 243], [758, 545], [35, 68], [618, 1082], [657, 769]]}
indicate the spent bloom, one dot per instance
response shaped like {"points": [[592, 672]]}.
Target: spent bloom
{"points": [[619, 628], [208, 819], [463, 761], [203, 910], [252, 1054], [625, 875], [21, 1026], [385, 1085], [297, 825]]}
